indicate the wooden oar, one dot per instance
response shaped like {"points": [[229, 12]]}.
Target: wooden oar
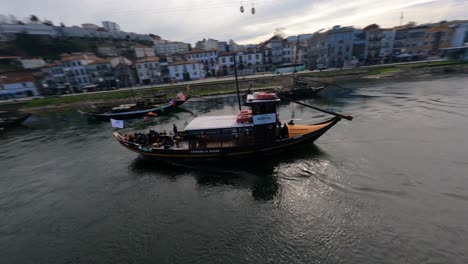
{"points": [[318, 109]]}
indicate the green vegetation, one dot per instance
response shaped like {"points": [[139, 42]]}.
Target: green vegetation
{"points": [[383, 70], [206, 88]]}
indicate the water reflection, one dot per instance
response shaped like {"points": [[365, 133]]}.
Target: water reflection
{"points": [[260, 176]]}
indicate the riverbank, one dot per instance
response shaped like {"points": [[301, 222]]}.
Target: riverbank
{"points": [[217, 87]]}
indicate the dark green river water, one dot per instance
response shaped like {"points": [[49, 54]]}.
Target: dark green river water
{"points": [[389, 187]]}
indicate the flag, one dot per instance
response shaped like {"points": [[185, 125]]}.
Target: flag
{"points": [[117, 123], [181, 96], [172, 102]]}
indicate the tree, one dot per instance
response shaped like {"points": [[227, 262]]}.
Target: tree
{"points": [[48, 23], [33, 18]]}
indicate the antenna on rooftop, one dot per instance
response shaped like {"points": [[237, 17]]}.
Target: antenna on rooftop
{"points": [[253, 8], [242, 7]]}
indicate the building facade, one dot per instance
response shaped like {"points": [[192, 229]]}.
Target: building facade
{"points": [[186, 70], [142, 51], [247, 62], [14, 85], [110, 26], [209, 59], [148, 70]]}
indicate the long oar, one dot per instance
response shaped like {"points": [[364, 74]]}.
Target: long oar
{"points": [[318, 109], [331, 84]]}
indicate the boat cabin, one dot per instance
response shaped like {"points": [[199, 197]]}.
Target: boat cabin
{"points": [[255, 127]]}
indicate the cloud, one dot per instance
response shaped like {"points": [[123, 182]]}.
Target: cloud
{"points": [[192, 20]]}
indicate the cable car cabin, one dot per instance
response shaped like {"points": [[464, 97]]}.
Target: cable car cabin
{"points": [[264, 117]]}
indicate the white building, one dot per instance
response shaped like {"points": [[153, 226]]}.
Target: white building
{"points": [[170, 47], [287, 51], [386, 42], [209, 58], [90, 26], [148, 70], [460, 36], [76, 71], [100, 73], [32, 63], [186, 70], [110, 26], [247, 62], [31, 29], [17, 85], [142, 51], [207, 44]]}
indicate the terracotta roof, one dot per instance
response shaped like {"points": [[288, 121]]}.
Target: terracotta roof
{"points": [[200, 51], [147, 59], [98, 60], [8, 57], [16, 77], [183, 62]]}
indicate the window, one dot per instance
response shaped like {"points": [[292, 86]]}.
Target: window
{"points": [[77, 72], [177, 75], [249, 57], [79, 63], [139, 66], [82, 72], [223, 60], [193, 66], [146, 65], [256, 56], [194, 73]]}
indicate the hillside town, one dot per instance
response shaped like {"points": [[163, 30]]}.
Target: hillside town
{"points": [[98, 57]]}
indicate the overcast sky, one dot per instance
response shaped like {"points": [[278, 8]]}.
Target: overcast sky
{"points": [[192, 20]]}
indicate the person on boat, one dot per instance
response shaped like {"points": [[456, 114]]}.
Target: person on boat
{"points": [[278, 130], [284, 131], [174, 129]]}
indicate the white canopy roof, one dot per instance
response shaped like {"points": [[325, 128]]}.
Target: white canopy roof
{"points": [[215, 122]]}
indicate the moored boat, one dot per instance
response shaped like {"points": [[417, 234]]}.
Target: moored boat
{"points": [[12, 118], [249, 134], [136, 110]]}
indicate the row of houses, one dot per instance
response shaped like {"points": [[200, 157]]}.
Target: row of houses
{"points": [[108, 31], [345, 46]]}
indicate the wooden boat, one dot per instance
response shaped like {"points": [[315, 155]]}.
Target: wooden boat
{"points": [[10, 118], [136, 110], [249, 134]]}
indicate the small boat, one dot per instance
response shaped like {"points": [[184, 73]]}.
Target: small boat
{"points": [[135, 110], [12, 118], [249, 134]]}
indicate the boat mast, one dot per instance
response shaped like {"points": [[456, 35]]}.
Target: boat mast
{"points": [[237, 82]]}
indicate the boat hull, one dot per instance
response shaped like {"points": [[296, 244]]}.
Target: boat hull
{"points": [[135, 114], [227, 154]]}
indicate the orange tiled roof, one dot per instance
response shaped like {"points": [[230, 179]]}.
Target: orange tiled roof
{"points": [[183, 62], [147, 59], [16, 77]]}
